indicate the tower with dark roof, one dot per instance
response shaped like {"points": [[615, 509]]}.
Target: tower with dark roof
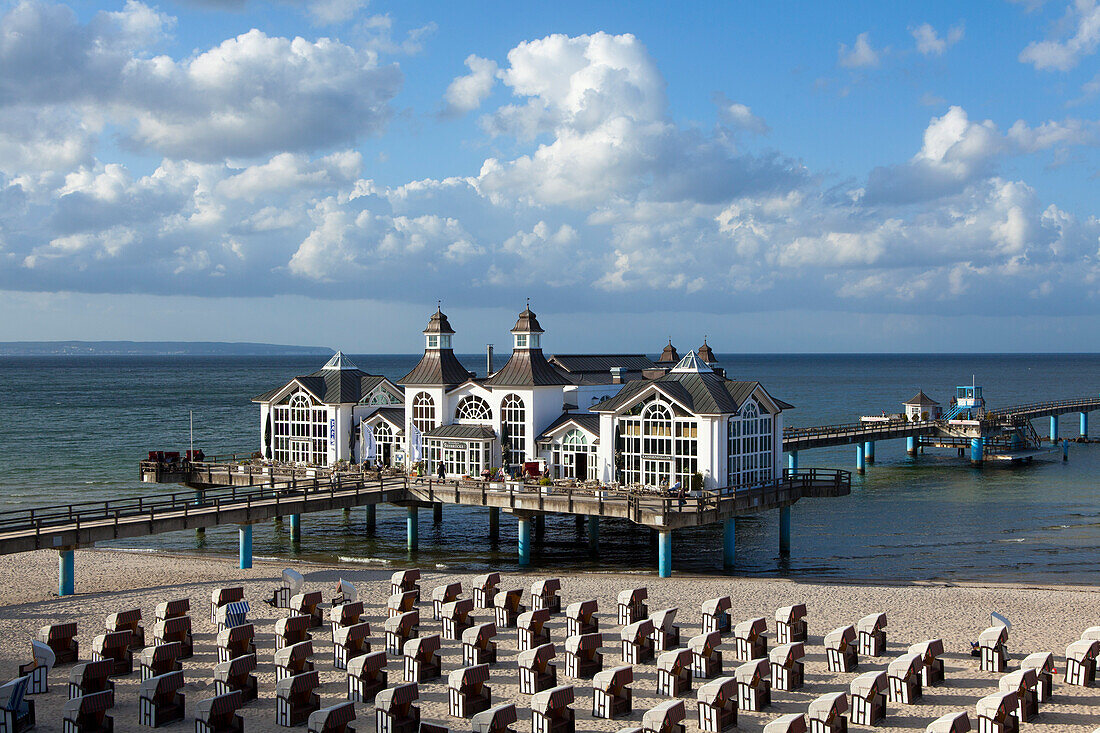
{"points": [[705, 353], [439, 366], [527, 366], [669, 355]]}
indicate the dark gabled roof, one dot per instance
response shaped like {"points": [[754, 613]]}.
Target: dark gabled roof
{"points": [[528, 368], [589, 363], [393, 415], [437, 368], [921, 399], [438, 323], [332, 386], [586, 420], [703, 393], [527, 323], [461, 432], [669, 355]]}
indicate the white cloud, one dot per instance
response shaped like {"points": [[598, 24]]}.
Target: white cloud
{"points": [[1083, 16], [929, 42], [739, 115], [332, 12], [861, 56], [466, 93]]}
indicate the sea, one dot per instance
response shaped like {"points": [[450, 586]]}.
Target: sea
{"points": [[73, 428]]}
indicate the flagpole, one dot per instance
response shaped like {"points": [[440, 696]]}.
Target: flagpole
{"points": [[192, 412]]}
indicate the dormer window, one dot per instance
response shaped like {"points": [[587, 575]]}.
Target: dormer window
{"points": [[521, 341], [433, 342]]}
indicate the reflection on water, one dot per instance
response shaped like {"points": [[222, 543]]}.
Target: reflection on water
{"points": [[74, 429]]}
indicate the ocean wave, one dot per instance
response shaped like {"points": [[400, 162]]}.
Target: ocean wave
{"points": [[364, 560]]}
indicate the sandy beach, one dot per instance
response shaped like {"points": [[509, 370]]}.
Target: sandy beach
{"points": [[1043, 618]]}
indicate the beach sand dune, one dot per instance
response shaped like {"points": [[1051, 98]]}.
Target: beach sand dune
{"points": [[1044, 619]]}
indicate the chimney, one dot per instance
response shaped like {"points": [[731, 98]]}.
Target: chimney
{"points": [[616, 375], [489, 360]]}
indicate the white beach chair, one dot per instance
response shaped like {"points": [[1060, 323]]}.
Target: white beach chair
{"points": [[717, 702], [611, 694]]}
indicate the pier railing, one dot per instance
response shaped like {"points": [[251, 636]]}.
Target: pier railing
{"points": [[1041, 409]]}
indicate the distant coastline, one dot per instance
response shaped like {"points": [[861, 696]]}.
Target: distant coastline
{"points": [[154, 348]]}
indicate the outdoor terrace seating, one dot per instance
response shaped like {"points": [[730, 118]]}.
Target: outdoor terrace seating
{"points": [[422, 661], [611, 696], [544, 595], [128, 621], [631, 605], [790, 623], [478, 646], [637, 642], [399, 629], [535, 671], [840, 650], [674, 672], [991, 644], [367, 676], [507, 608], [308, 604], [394, 709], [295, 698], [1024, 683], [175, 629], [872, 635], [869, 698], [88, 713], [115, 647], [531, 629], [754, 691], [666, 634], [293, 630], [825, 714], [717, 701], [582, 655], [996, 713], [236, 641], [494, 720], [444, 594], [333, 719], [236, 676], [749, 640], [160, 699], [38, 669], [293, 660], [158, 660], [787, 668], [61, 638], [550, 711], [219, 714], [715, 615], [931, 673], [405, 580], [706, 660], [665, 717], [467, 693], [350, 642], [580, 618], [87, 678]]}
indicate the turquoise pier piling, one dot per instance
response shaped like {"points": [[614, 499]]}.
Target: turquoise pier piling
{"points": [[977, 451], [729, 543], [244, 546], [861, 459], [1053, 428], [296, 528], [1065, 449], [785, 530], [664, 553], [66, 572], [412, 536], [792, 461], [869, 451], [524, 535], [1084, 425], [911, 445]]}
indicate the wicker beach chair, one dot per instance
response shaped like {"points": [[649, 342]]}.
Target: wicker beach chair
{"points": [[422, 662], [996, 713], [61, 638], [754, 690], [402, 602], [1081, 662], [544, 595], [580, 618], [16, 711], [236, 641], [222, 596], [904, 677], [394, 709], [788, 671], [234, 613], [1024, 683], [295, 699], [991, 644], [611, 694], [790, 623], [665, 717], [218, 714], [485, 589], [444, 594], [350, 642], [931, 673], [344, 614], [366, 676], [308, 604], [1043, 664], [175, 629], [950, 723], [455, 618], [666, 634], [631, 605], [467, 693], [840, 650], [38, 669], [478, 646], [129, 620], [869, 698], [172, 609], [674, 672], [789, 723], [872, 635], [88, 713], [293, 660], [499, 719], [344, 593], [531, 629], [400, 629], [160, 699], [550, 711], [535, 671], [116, 648], [157, 660], [236, 676], [717, 702], [749, 640], [87, 678], [405, 580], [293, 630], [582, 656], [825, 714], [507, 607], [706, 660], [715, 615]]}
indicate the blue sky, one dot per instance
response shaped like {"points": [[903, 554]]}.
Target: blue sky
{"points": [[781, 177]]}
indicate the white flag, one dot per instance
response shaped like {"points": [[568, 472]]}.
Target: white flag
{"points": [[370, 446], [416, 444]]}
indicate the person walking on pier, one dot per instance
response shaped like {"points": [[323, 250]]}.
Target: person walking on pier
{"points": [[442, 472]]}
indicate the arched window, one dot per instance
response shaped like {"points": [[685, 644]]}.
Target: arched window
{"points": [[423, 412], [472, 407], [658, 448], [513, 430], [749, 446], [573, 457], [301, 431], [574, 438], [384, 443], [383, 397]]}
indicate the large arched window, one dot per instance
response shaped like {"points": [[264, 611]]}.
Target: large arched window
{"points": [[573, 457], [384, 443], [658, 447], [301, 431], [749, 446], [513, 430], [472, 407], [423, 412]]}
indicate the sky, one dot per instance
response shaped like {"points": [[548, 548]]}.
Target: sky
{"points": [[775, 177]]}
